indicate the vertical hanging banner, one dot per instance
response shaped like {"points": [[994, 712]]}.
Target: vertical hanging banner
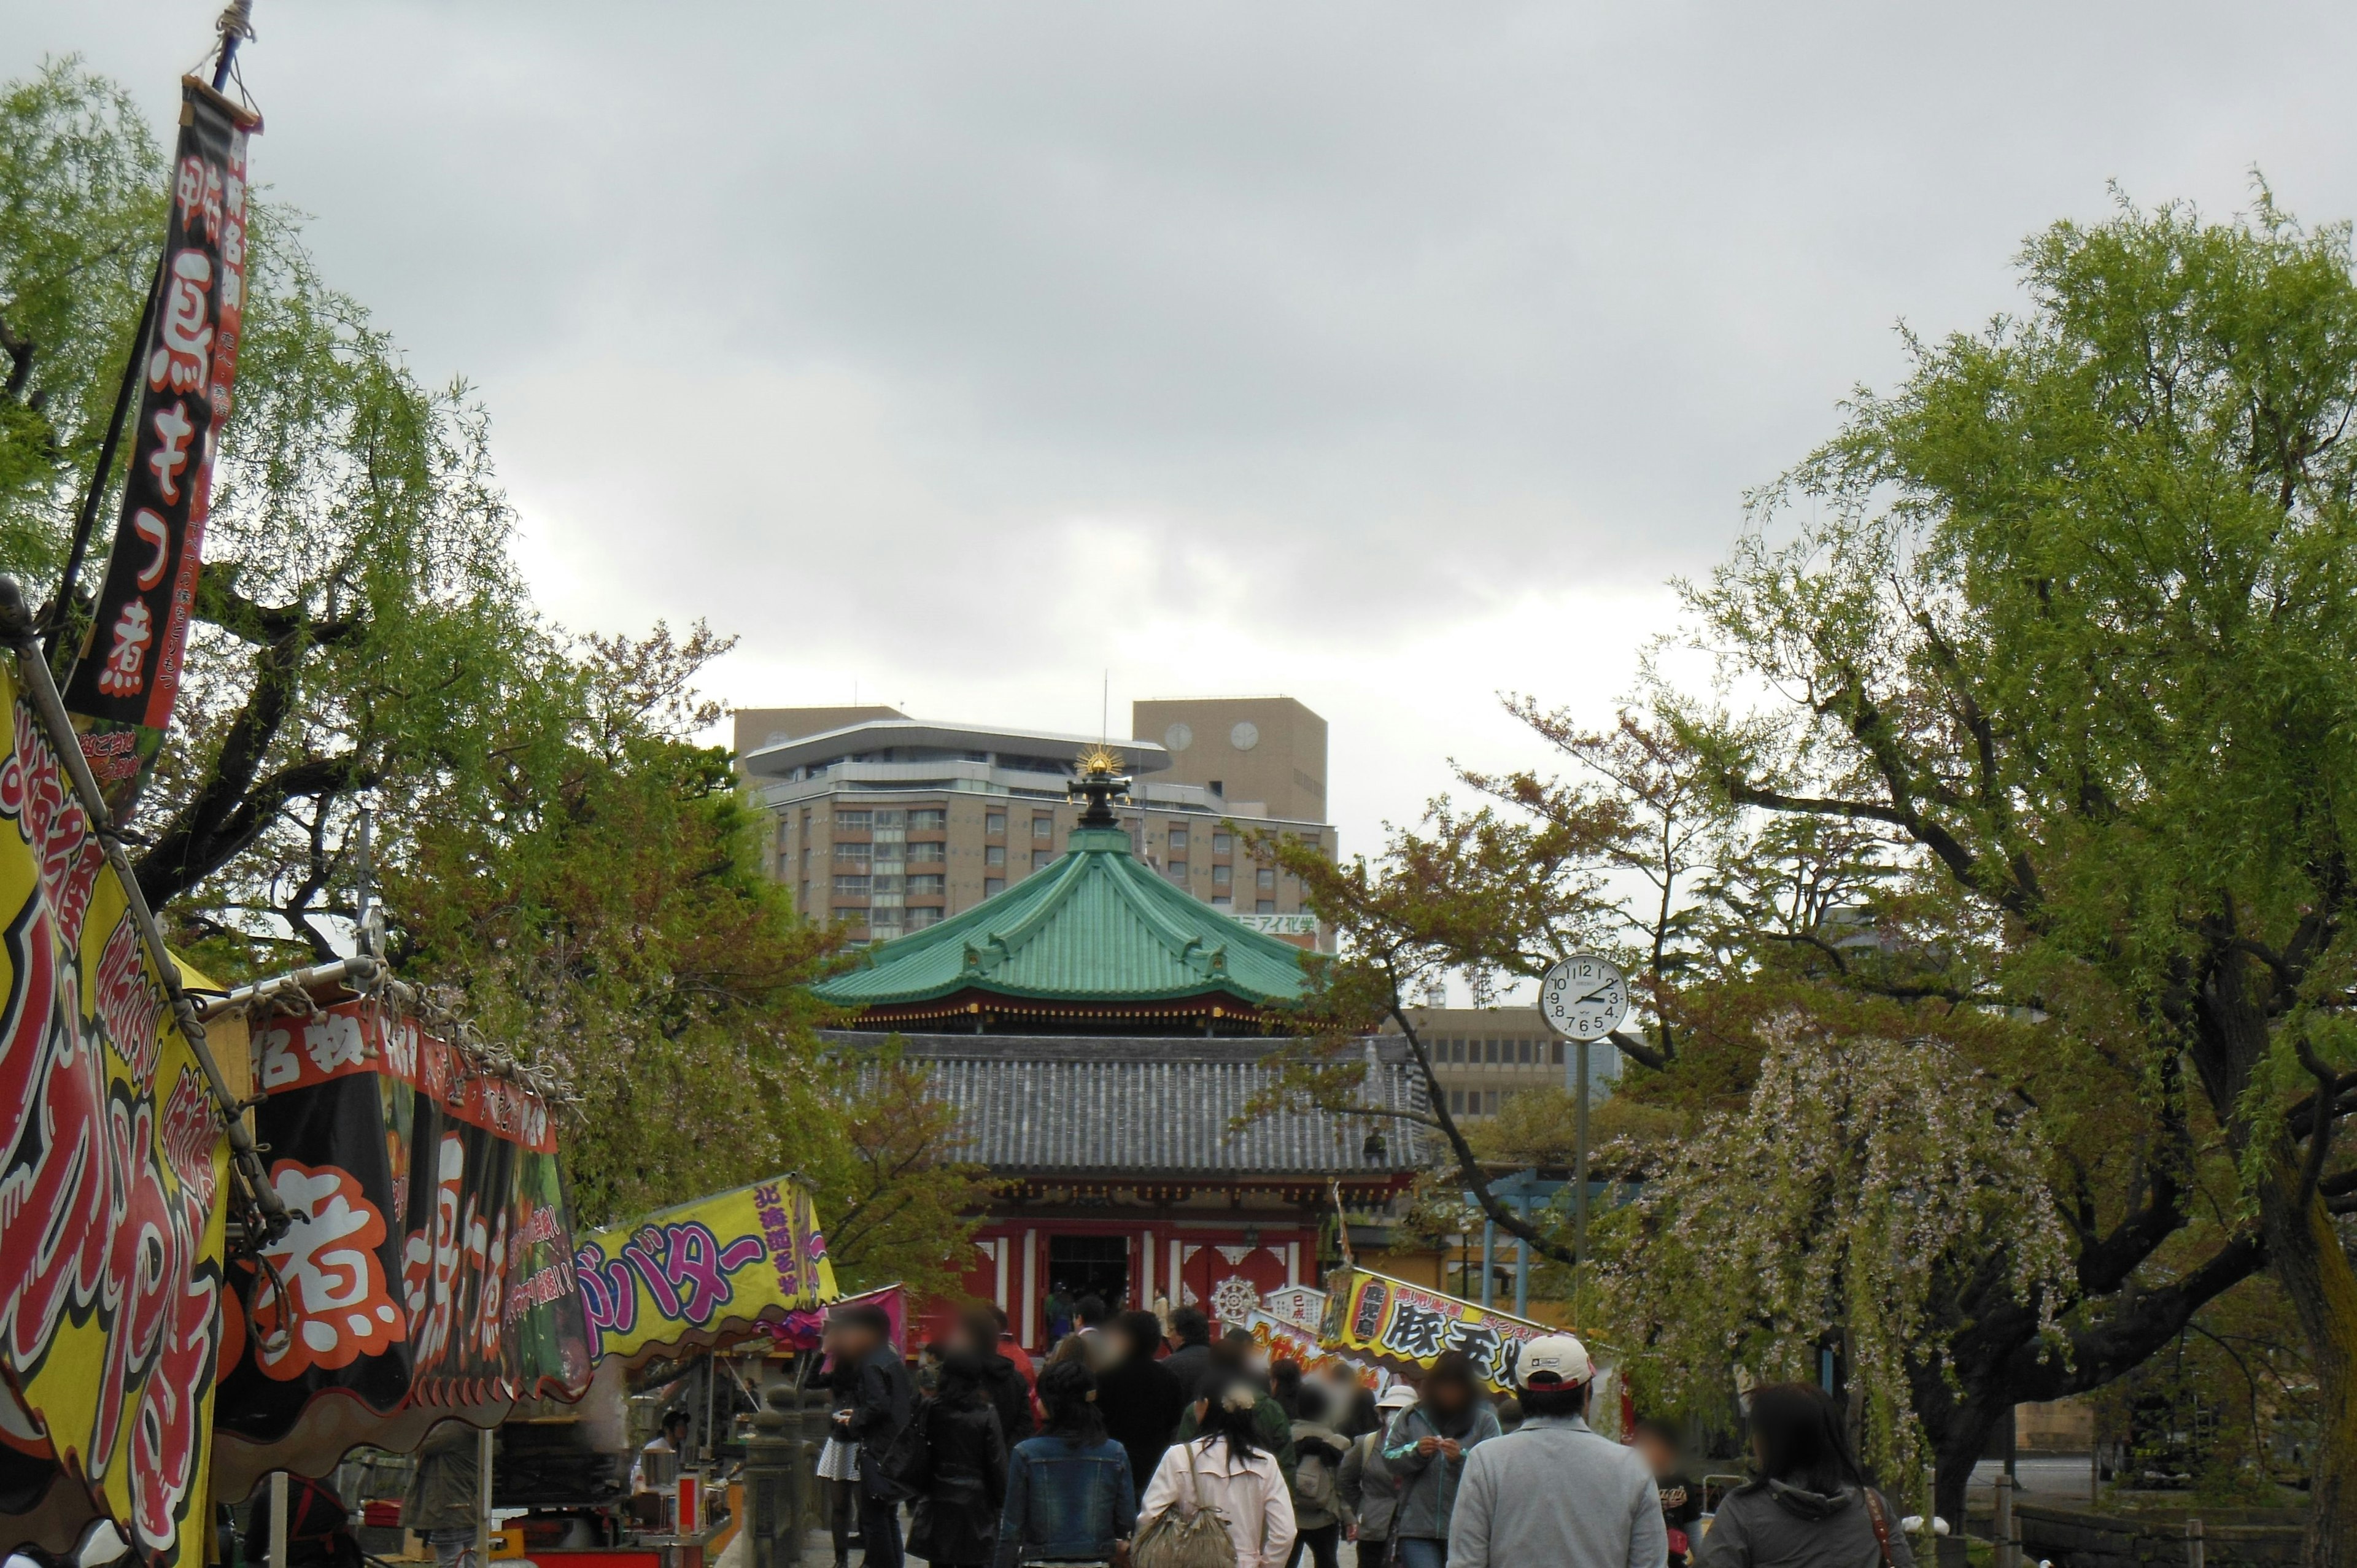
{"points": [[123, 687]]}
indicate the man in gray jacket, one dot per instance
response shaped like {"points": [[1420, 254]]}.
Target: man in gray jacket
{"points": [[1555, 1490]]}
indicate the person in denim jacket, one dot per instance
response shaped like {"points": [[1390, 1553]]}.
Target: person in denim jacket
{"points": [[1070, 1495]]}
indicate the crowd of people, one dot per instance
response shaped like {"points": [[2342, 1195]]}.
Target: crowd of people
{"points": [[1145, 1441]]}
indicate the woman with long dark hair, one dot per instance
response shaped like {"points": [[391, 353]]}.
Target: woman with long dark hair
{"points": [[1226, 1465], [1810, 1506], [1070, 1498], [966, 1472]]}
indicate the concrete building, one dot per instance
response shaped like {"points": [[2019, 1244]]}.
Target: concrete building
{"points": [[1264, 755], [1483, 1056], [895, 824]]}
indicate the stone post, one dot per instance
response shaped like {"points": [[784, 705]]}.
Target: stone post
{"points": [[774, 1481]]}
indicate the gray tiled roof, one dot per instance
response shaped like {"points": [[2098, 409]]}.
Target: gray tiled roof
{"points": [[1088, 1105]]}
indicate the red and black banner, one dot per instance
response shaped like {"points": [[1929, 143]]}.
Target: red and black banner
{"points": [[123, 687], [430, 1258]]}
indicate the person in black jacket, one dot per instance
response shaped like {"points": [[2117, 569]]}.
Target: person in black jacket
{"points": [[1002, 1381], [1190, 1350], [1138, 1395], [965, 1479], [882, 1406]]}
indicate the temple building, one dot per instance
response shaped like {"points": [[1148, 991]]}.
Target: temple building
{"points": [[1106, 1038]]}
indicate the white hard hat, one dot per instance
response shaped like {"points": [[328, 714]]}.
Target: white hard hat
{"points": [[1554, 1360]]}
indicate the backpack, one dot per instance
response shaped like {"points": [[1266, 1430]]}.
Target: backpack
{"points": [[1313, 1479], [1181, 1537]]}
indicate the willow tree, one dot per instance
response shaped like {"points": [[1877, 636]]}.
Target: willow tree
{"points": [[2072, 617]]}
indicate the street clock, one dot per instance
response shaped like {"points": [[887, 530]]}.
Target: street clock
{"points": [[1584, 997]]}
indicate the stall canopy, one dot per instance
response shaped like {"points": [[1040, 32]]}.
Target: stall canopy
{"points": [[428, 1271]]}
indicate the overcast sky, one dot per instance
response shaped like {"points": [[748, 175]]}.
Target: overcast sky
{"points": [[1384, 355]]}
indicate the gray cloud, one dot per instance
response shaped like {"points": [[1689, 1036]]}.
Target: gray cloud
{"points": [[1387, 353]]}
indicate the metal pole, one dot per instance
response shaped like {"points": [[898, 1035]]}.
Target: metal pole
{"points": [[17, 627], [53, 625], [1579, 1184], [236, 22], [483, 1499], [1523, 1267], [1489, 1262], [277, 1519]]}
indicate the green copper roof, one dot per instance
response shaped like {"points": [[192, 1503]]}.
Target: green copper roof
{"points": [[1095, 926]]}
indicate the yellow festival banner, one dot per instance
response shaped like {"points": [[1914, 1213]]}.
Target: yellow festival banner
{"points": [[702, 1271], [112, 1171], [1403, 1326]]}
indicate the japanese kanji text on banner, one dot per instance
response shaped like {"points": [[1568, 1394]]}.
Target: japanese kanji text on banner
{"points": [[719, 1266], [122, 688], [1405, 1326]]}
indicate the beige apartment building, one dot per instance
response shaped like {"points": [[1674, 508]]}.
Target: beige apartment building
{"points": [[1482, 1057], [893, 823]]}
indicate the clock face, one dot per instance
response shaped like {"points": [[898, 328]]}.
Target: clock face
{"points": [[1179, 737], [1245, 735], [1584, 997]]}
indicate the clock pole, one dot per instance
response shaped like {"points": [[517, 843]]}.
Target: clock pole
{"points": [[1563, 1004], [1580, 1183]]}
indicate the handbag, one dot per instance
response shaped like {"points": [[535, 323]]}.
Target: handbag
{"points": [[1881, 1526], [1184, 1537]]}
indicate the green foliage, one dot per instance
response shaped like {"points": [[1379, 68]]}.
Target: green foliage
{"points": [[557, 857]]}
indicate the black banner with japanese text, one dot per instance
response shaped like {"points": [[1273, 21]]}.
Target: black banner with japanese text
{"points": [[124, 685]]}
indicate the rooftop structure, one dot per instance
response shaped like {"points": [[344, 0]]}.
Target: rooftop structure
{"points": [[1095, 941]]}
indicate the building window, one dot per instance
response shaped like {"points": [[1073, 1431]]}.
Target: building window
{"points": [[1558, 1053], [993, 854], [992, 886], [1043, 826], [1457, 1100], [851, 887], [852, 917], [1220, 875], [1178, 840], [1039, 859], [854, 854], [1223, 843], [1490, 1102], [994, 822], [931, 883], [888, 820], [1263, 906], [854, 822], [1523, 1051], [928, 853], [1177, 871], [802, 899], [785, 833], [919, 919], [1264, 877], [928, 819], [1221, 901], [884, 885]]}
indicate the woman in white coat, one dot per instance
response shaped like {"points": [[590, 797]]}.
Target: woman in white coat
{"points": [[1226, 1468]]}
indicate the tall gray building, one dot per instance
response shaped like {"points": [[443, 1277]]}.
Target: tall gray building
{"points": [[893, 823]]}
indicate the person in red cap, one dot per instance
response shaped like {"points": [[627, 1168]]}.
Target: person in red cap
{"points": [[1555, 1490]]}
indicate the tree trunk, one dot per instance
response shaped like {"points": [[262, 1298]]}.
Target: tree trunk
{"points": [[1953, 1456], [2307, 1259]]}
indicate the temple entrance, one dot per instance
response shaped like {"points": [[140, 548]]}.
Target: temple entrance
{"points": [[1090, 1265]]}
